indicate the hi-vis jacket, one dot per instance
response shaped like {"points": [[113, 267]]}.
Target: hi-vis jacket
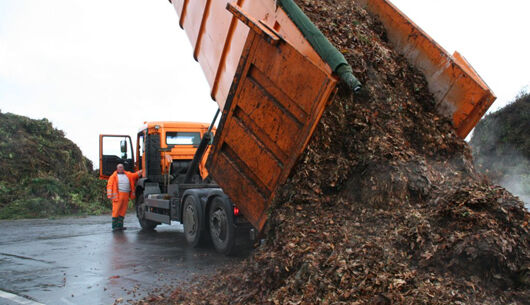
{"points": [[112, 185]]}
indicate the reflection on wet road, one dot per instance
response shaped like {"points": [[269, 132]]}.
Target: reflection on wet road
{"points": [[80, 261]]}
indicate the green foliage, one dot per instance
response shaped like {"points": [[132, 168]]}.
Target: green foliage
{"points": [[43, 173], [505, 131]]}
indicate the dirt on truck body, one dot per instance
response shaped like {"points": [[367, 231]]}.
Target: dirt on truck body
{"points": [[385, 205]]}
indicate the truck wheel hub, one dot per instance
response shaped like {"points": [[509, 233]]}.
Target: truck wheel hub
{"points": [[189, 219]]}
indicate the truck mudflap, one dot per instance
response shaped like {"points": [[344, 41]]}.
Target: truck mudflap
{"points": [[273, 107]]}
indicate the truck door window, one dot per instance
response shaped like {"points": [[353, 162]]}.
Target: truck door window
{"points": [[112, 147], [140, 153], [141, 145], [115, 149], [183, 138]]}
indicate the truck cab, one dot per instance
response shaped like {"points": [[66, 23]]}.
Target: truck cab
{"points": [[171, 147], [175, 184]]}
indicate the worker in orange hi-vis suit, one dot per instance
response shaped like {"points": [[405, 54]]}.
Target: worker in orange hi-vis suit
{"points": [[120, 188]]}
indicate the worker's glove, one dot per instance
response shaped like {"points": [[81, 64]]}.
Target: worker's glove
{"points": [[345, 73]]}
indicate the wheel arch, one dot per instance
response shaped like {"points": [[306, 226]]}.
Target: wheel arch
{"points": [[138, 190], [141, 183], [213, 195]]}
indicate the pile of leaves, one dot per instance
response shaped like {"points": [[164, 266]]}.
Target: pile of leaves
{"points": [[501, 146], [384, 206], [43, 173]]}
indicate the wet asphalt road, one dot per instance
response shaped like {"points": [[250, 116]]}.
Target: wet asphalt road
{"points": [[80, 261]]}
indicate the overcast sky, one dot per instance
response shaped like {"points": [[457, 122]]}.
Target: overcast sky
{"points": [[106, 66]]}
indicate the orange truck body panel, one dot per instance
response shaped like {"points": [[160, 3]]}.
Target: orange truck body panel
{"points": [[218, 37], [273, 87], [459, 91], [272, 110]]}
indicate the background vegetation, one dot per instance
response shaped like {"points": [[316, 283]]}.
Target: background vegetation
{"points": [[43, 173]]}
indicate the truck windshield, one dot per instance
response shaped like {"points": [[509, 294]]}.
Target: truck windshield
{"points": [[183, 138]]}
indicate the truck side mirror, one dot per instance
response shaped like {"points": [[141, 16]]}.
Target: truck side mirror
{"points": [[123, 146]]}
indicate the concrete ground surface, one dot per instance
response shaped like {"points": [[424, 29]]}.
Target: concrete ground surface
{"points": [[81, 261]]}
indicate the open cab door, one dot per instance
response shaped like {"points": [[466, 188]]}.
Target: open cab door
{"points": [[113, 150]]}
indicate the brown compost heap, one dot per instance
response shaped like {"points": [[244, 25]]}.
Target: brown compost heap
{"points": [[384, 206]]}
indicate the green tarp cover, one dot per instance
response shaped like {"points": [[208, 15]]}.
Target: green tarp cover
{"points": [[321, 44]]}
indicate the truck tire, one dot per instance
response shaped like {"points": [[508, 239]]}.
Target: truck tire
{"points": [[192, 221], [221, 225], [140, 213]]}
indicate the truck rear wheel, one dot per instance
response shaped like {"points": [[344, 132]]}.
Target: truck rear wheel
{"points": [[140, 213], [221, 225], [192, 221]]}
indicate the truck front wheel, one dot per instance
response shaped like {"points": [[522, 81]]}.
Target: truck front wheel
{"points": [[221, 225], [140, 213]]}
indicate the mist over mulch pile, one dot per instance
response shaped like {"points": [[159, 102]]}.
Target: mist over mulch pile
{"points": [[384, 206], [501, 147], [43, 173]]}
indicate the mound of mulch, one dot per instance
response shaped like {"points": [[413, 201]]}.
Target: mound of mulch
{"points": [[43, 173], [385, 205]]}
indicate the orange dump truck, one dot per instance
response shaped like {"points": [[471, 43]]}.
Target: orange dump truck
{"points": [[175, 185], [273, 85], [272, 73]]}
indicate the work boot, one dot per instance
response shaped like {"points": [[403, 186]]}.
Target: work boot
{"points": [[115, 225], [120, 223]]}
